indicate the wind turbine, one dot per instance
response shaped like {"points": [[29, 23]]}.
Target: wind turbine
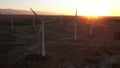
{"points": [[12, 26], [11, 22], [61, 20], [91, 26], [33, 21], [42, 29], [43, 32], [75, 33]]}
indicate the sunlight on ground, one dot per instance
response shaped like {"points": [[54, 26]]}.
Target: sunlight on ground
{"points": [[92, 17]]}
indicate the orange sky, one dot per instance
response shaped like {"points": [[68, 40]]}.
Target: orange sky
{"points": [[67, 7]]}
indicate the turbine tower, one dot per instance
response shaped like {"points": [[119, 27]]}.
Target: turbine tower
{"points": [[11, 22], [91, 26], [75, 33], [33, 21], [43, 38], [61, 20], [12, 27]]}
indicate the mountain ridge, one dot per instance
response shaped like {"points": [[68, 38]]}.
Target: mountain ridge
{"points": [[24, 12]]}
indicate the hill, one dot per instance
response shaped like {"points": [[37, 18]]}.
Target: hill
{"points": [[24, 12]]}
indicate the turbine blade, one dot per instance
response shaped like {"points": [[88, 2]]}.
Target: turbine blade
{"points": [[33, 12], [36, 16]]}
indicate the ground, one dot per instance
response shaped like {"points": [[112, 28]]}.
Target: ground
{"points": [[21, 47]]}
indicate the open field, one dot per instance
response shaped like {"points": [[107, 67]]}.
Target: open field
{"points": [[61, 48]]}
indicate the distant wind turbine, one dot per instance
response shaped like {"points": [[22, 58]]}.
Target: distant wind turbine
{"points": [[91, 26], [12, 26], [61, 20], [11, 22], [75, 33], [33, 21]]}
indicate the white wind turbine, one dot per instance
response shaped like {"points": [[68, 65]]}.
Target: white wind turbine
{"points": [[42, 29], [75, 33]]}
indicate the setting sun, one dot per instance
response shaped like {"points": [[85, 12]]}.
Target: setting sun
{"points": [[93, 7]]}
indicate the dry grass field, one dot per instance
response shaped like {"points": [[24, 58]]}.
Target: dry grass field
{"points": [[21, 48]]}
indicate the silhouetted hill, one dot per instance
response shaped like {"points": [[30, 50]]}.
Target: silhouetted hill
{"points": [[24, 12]]}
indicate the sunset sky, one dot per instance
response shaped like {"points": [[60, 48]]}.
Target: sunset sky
{"points": [[67, 7]]}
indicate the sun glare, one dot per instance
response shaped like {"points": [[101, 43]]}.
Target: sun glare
{"points": [[92, 17], [93, 7]]}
